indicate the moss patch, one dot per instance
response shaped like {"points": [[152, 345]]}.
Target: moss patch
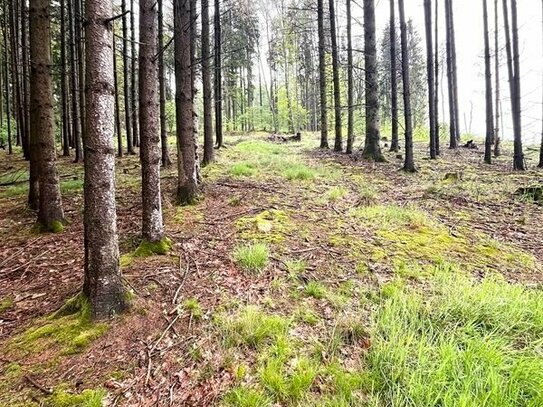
{"points": [[87, 398], [269, 225], [147, 249], [70, 330], [5, 304]]}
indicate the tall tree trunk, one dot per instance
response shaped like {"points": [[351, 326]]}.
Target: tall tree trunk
{"points": [[394, 145], [338, 142], [540, 165], [152, 224], [218, 76], [350, 82], [322, 75], [519, 163], [206, 79], [133, 78], [79, 27], [453, 131], [166, 161], [126, 81], [432, 108], [103, 285], [74, 82], [187, 187], [193, 75], [488, 90], [6, 82], [63, 83], [50, 213], [409, 163], [497, 137], [118, 127], [25, 79], [372, 148], [436, 77]]}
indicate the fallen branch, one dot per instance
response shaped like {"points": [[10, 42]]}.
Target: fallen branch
{"points": [[37, 385]]}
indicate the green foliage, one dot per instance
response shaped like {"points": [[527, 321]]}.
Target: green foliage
{"points": [[193, 307], [251, 327], [252, 257], [246, 397], [70, 329], [87, 398], [299, 172], [5, 304], [461, 343], [315, 289], [269, 225], [243, 169], [336, 193], [147, 249]]}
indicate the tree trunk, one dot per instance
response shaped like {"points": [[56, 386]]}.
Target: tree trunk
{"points": [[372, 149], [6, 84], [127, 112], [540, 165], [430, 73], [497, 138], [63, 82], [394, 145], [322, 75], [519, 163], [218, 76], [409, 163], [117, 103], [350, 82], [133, 79], [103, 285], [78, 21], [187, 186], [166, 161], [74, 78], [50, 213], [453, 142], [152, 224], [338, 143], [206, 79], [436, 77], [488, 90]]}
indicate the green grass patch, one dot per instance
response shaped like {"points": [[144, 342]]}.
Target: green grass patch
{"points": [[315, 289], [252, 257], [299, 172], [251, 327], [87, 398], [269, 225], [459, 342], [70, 330], [5, 304], [243, 169], [193, 307], [334, 194], [246, 397]]}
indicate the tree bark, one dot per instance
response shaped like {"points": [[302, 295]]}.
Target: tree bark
{"points": [[187, 186], [126, 68], [432, 108], [350, 82], [218, 76], [206, 79], [322, 75], [133, 78], [372, 149], [436, 77], [117, 103], [338, 142], [453, 131], [50, 213], [488, 90], [103, 285], [74, 79], [409, 163], [152, 223], [497, 138], [394, 145], [80, 44], [519, 163], [166, 161], [63, 83]]}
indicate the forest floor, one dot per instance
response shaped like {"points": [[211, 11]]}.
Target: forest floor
{"points": [[301, 278]]}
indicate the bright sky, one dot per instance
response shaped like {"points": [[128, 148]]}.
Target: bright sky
{"points": [[470, 47]]}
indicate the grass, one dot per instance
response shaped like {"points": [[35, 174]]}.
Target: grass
{"points": [[334, 194], [251, 327], [87, 398], [315, 289], [246, 397], [252, 258], [460, 343], [299, 172], [193, 307], [5, 304]]}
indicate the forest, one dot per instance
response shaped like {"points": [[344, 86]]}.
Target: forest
{"points": [[243, 203]]}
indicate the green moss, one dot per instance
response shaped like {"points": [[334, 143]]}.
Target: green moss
{"points": [[147, 249], [193, 307], [70, 330], [53, 227], [5, 304], [270, 226], [87, 398]]}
